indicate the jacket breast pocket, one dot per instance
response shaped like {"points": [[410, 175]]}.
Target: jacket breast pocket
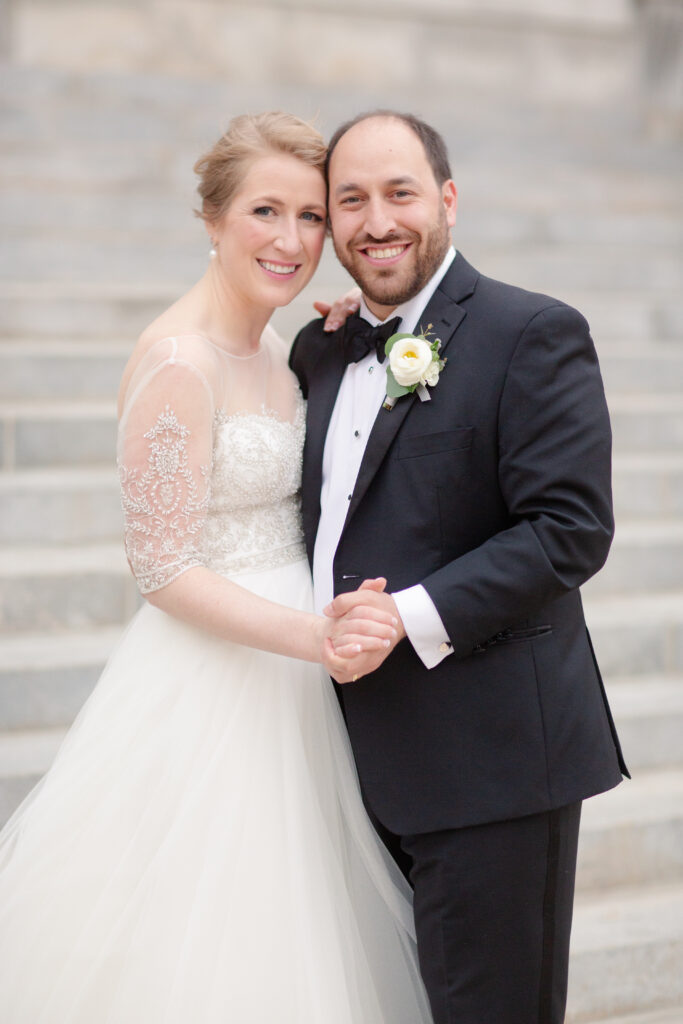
{"points": [[436, 443]]}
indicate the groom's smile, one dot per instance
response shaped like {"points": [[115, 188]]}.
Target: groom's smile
{"points": [[385, 255], [390, 218]]}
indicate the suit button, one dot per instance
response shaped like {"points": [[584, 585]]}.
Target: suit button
{"points": [[444, 647]]}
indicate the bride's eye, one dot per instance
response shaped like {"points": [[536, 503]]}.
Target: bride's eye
{"points": [[263, 211], [314, 218]]}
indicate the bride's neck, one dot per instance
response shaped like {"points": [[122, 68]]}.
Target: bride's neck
{"points": [[228, 319]]}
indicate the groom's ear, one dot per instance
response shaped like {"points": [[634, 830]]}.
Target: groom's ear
{"points": [[449, 196]]}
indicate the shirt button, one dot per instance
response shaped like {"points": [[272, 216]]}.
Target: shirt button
{"points": [[370, 369], [444, 647], [356, 433], [348, 497]]}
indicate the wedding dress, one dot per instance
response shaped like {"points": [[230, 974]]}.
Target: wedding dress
{"points": [[199, 850]]}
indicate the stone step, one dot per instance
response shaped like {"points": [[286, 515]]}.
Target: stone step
{"points": [[641, 369], [47, 433], [672, 1015], [45, 677], [60, 506], [637, 634], [633, 835], [61, 370], [648, 711], [79, 310], [627, 948], [648, 486], [57, 588], [645, 555], [650, 422]]}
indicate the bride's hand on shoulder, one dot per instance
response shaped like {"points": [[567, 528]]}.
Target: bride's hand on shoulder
{"points": [[340, 310]]}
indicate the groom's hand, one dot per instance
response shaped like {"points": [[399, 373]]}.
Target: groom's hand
{"points": [[336, 313], [354, 615]]}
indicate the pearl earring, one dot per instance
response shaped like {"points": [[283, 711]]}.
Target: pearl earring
{"points": [[212, 251]]}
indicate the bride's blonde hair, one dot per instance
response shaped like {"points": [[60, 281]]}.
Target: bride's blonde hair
{"points": [[222, 170]]}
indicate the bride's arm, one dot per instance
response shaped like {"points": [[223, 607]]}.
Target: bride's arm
{"points": [[165, 456], [219, 606]]}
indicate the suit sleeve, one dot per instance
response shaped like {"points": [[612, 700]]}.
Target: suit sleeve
{"points": [[554, 469], [296, 362]]}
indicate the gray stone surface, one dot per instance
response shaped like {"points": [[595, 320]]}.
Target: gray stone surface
{"points": [[648, 711], [626, 953], [49, 507], [633, 836], [63, 371]]}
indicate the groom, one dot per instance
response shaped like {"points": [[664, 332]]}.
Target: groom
{"points": [[482, 728]]}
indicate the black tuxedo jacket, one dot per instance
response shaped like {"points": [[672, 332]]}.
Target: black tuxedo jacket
{"points": [[495, 496]]}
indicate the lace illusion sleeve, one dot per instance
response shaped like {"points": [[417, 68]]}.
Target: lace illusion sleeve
{"points": [[164, 461]]}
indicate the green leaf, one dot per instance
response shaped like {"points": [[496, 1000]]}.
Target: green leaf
{"points": [[394, 389]]}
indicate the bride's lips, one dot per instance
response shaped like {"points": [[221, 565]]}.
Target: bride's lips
{"points": [[277, 270], [385, 255]]}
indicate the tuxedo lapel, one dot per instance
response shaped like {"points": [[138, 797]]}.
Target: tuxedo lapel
{"points": [[328, 374], [445, 316]]}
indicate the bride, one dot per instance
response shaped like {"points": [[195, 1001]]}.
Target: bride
{"points": [[199, 850]]}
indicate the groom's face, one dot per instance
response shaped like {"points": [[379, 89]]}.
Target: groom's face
{"points": [[390, 218]]}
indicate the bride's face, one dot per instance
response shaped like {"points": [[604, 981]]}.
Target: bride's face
{"points": [[270, 239]]}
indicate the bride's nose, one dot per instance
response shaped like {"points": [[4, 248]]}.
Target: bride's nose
{"points": [[288, 241]]}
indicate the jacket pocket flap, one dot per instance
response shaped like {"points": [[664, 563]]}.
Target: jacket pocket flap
{"points": [[432, 444]]}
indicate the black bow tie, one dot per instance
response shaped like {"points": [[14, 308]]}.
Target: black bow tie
{"points": [[360, 338]]}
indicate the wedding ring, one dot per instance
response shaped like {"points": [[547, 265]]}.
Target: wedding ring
{"points": [[355, 678]]}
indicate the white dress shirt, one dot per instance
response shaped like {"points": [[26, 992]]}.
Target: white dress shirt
{"points": [[359, 399]]}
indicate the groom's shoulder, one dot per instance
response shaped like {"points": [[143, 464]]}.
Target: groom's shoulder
{"points": [[310, 344], [516, 305]]}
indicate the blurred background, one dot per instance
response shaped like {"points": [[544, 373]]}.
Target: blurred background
{"points": [[564, 120]]}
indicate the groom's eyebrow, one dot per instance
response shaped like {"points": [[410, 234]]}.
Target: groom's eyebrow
{"points": [[350, 186]]}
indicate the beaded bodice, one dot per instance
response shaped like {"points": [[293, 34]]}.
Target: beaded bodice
{"points": [[254, 515], [201, 486]]}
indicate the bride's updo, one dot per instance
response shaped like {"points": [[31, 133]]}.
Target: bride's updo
{"points": [[223, 169]]}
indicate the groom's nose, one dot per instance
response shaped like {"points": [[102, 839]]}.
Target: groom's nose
{"points": [[379, 219]]}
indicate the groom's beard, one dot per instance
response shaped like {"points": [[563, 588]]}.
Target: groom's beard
{"points": [[400, 282]]}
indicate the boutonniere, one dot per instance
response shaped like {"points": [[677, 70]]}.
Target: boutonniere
{"points": [[414, 364]]}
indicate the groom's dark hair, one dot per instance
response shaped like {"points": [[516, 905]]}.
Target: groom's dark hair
{"points": [[433, 143]]}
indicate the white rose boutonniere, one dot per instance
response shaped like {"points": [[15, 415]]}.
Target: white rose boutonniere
{"points": [[414, 364]]}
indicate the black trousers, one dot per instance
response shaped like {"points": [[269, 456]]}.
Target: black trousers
{"points": [[493, 912]]}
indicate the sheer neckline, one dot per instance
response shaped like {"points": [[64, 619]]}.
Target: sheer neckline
{"points": [[214, 344]]}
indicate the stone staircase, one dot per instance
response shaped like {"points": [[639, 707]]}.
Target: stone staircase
{"points": [[96, 194]]}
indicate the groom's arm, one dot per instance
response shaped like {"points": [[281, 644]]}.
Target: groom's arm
{"points": [[554, 471]]}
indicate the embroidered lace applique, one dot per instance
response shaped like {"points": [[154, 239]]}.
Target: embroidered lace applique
{"points": [[164, 506], [241, 514]]}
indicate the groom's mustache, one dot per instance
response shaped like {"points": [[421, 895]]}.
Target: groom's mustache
{"points": [[385, 240]]}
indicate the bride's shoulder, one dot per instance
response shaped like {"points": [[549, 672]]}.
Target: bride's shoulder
{"points": [[156, 350]]}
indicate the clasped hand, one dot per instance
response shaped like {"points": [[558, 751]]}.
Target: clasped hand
{"points": [[362, 628]]}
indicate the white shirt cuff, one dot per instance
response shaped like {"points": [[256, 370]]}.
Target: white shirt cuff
{"points": [[423, 625]]}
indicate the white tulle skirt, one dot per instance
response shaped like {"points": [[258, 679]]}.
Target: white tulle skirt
{"points": [[199, 850]]}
